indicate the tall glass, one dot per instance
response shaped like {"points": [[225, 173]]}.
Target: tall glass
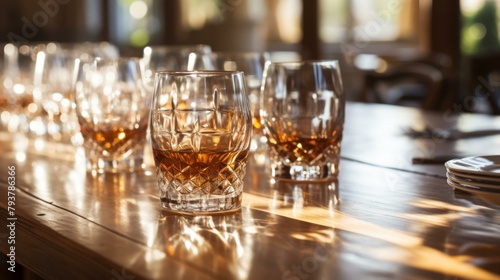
{"points": [[302, 109], [201, 128], [112, 106]]}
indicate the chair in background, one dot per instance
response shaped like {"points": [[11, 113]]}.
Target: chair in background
{"points": [[484, 83], [419, 82]]}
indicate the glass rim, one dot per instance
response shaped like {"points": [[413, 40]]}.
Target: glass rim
{"points": [[241, 53], [194, 48], [100, 61], [307, 62], [116, 59], [175, 47], [31, 43], [203, 73]]}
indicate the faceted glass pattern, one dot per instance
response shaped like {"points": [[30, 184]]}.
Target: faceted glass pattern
{"points": [[112, 106], [302, 110], [200, 130]]}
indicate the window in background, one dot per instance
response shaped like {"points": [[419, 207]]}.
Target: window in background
{"points": [[284, 16], [370, 34], [334, 20], [195, 14], [480, 26], [93, 17], [288, 14], [251, 24], [263, 24], [134, 22], [368, 21]]}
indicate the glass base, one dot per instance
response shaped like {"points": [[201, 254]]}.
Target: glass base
{"points": [[115, 166], [132, 161], [298, 195], [298, 172], [195, 205]]}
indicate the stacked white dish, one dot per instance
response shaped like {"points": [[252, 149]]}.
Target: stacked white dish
{"points": [[479, 175]]}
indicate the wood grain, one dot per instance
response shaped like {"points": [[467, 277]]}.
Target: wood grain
{"points": [[382, 219]]}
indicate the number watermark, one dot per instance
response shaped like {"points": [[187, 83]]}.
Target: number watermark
{"points": [[11, 218]]}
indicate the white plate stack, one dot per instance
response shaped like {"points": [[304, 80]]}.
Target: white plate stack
{"points": [[479, 175]]}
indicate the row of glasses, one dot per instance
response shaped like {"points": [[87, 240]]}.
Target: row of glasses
{"points": [[201, 109], [201, 122], [22, 112], [201, 128], [112, 130], [54, 85], [200, 147], [35, 81]]}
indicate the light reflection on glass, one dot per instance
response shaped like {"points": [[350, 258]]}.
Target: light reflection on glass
{"points": [[39, 144], [220, 242], [21, 143], [261, 158], [297, 195], [75, 187], [20, 157]]}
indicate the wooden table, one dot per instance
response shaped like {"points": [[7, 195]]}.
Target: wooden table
{"points": [[385, 218]]}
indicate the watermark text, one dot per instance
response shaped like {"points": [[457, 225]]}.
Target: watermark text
{"points": [[11, 218]]}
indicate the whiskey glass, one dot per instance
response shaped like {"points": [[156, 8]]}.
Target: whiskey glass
{"points": [[302, 110], [201, 128], [112, 107]]}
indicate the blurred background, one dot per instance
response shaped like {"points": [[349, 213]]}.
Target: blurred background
{"points": [[439, 55]]}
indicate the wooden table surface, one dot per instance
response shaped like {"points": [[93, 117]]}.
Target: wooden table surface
{"points": [[385, 218]]}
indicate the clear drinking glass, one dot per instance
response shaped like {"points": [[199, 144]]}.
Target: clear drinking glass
{"points": [[53, 90], [302, 109], [112, 106], [201, 128], [17, 85], [252, 65]]}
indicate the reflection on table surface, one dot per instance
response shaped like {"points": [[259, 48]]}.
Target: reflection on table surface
{"points": [[380, 219]]}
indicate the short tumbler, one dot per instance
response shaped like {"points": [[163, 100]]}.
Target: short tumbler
{"points": [[201, 129], [112, 106], [302, 111]]}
